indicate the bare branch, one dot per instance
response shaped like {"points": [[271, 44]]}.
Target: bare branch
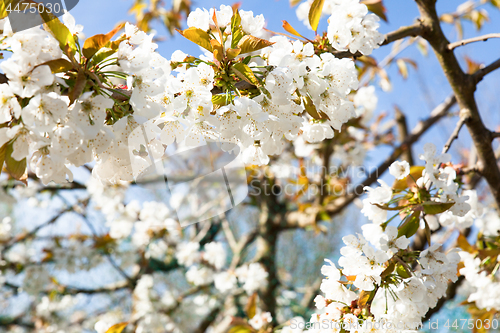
{"points": [[483, 38], [464, 87], [478, 76], [454, 134], [32, 233], [69, 290], [403, 32]]}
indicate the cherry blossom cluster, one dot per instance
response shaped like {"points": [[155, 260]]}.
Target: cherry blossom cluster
{"points": [[350, 26], [295, 92], [380, 279], [435, 186], [481, 265], [485, 284]]}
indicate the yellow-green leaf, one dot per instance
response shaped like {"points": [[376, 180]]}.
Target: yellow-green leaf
{"points": [[236, 29], [245, 73], [433, 208], [108, 50], [376, 7], [288, 28], [251, 307], [197, 36], [3, 151], [415, 173], [16, 169], [232, 53], [95, 43], [240, 329], [463, 243], [315, 13], [310, 107], [401, 270], [388, 270], [251, 43], [220, 99], [410, 226], [3, 7], [365, 297], [118, 328], [60, 32], [58, 65]]}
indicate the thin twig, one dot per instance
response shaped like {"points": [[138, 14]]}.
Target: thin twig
{"points": [[454, 134], [463, 42], [478, 76]]}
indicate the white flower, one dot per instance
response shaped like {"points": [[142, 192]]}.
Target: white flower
{"points": [[253, 276], [251, 24], [399, 169], [223, 15], [225, 281], [199, 18], [260, 319], [255, 156], [215, 254], [187, 253], [390, 241], [379, 195]]}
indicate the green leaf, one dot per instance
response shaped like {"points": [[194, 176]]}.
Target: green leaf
{"points": [[197, 36], [410, 225], [315, 13], [118, 328], [401, 270], [95, 43], [389, 269], [236, 29], [251, 43], [60, 32], [106, 51], [376, 7], [433, 208], [58, 65], [245, 73], [16, 169]]}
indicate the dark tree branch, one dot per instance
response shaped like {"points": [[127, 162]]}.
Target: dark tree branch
{"points": [[463, 86], [478, 76], [483, 38]]}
